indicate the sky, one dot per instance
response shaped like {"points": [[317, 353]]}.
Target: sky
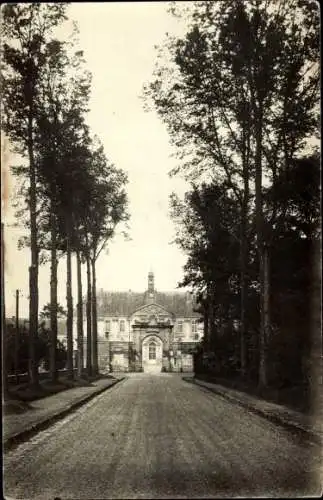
{"points": [[118, 40]]}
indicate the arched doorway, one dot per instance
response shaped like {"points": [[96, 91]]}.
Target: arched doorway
{"points": [[152, 354]]}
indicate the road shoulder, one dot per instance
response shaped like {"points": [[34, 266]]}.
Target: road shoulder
{"points": [[302, 425], [42, 413]]}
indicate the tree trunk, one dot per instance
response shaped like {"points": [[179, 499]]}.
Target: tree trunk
{"points": [[260, 247], [206, 322], [3, 320], [246, 138], [211, 333], [69, 302], [33, 269], [243, 295], [94, 322], [53, 298], [314, 361], [80, 333], [88, 319], [266, 308]]}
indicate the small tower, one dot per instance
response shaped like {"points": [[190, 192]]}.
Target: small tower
{"points": [[151, 287]]}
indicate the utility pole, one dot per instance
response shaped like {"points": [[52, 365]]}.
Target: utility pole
{"points": [[129, 353], [3, 320], [17, 338]]}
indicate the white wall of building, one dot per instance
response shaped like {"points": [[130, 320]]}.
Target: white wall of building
{"points": [[120, 329], [188, 329]]}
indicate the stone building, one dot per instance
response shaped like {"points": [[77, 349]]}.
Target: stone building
{"points": [[150, 332]]}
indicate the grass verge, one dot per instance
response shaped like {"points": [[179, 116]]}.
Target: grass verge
{"points": [[297, 397], [20, 395]]}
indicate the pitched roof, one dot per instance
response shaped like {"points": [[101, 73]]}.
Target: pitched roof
{"points": [[180, 304]]}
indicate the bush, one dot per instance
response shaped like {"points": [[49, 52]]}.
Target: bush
{"points": [[42, 349]]}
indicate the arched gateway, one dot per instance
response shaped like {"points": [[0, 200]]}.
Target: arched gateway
{"points": [[152, 332], [152, 354]]}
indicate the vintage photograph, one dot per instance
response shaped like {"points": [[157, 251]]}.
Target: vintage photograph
{"points": [[161, 250]]}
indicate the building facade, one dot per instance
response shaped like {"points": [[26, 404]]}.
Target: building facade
{"points": [[150, 332]]}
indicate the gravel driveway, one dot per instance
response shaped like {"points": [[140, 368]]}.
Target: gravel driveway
{"points": [[156, 436]]}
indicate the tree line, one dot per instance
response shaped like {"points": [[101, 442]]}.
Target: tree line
{"points": [[239, 94], [74, 196]]}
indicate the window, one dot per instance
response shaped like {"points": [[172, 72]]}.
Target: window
{"points": [[122, 325], [194, 326], [196, 336], [152, 350], [180, 326]]}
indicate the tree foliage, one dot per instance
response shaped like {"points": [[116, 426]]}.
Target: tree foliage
{"points": [[74, 195], [239, 94], [45, 312]]}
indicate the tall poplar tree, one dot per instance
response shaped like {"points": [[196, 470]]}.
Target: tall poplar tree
{"points": [[27, 30], [107, 208]]}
